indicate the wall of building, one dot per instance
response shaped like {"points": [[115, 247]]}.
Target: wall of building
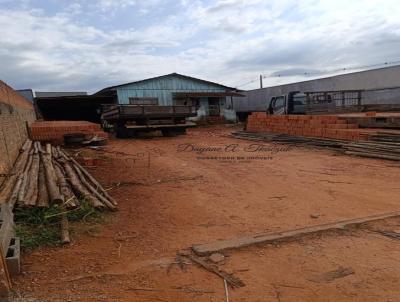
{"points": [[15, 113], [226, 109], [163, 89], [258, 99]]}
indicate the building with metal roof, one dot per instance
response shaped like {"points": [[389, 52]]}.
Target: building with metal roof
{"points": [[211, 99]]}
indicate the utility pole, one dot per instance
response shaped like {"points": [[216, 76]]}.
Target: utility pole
{"points": [[261, 82]]}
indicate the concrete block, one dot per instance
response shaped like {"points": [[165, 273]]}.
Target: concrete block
{"points": [[13, 257]]}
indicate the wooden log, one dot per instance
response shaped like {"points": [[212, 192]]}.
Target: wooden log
{"points": [[373, 150], [78, 187], [26, 145], [104, 200], [70, 200], [25, 180], [5, 280], [55, 152], [51, 180], [43, 195], [31, 194], [64, 229], [373, 155], [35, 147], [232, 280], [19, 165], [95, 183], [48, 149], [39, 145]]}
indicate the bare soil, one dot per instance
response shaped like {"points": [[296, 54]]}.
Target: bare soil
{"points": [[170, 200]]}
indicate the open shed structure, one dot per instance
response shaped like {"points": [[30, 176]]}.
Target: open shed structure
{"points": [[71, 108], [211, 99]]}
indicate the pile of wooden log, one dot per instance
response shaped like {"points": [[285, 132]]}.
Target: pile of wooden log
{"points": [[43, 176], [383, 145]]}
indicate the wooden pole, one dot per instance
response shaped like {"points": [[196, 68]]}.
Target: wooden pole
{"points": [[70, 200], [78, 187], [52, 187], [33, 177], [95, 183], [93, 190], [18, 168], [43, 195], [5, 280], [64, 229]]}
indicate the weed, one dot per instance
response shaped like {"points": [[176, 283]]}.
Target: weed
{"points": [[40, 226], [34, 237]]}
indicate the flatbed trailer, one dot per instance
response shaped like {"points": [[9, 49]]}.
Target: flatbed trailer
{"points": [[129, 120]]}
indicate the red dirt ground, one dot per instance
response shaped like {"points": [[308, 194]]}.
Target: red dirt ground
{"points": [[170, 200]]}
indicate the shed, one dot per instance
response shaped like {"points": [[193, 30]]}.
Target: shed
{"points": [[211, 99], [71, 108]]}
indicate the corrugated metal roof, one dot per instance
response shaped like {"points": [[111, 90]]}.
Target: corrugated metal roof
{"points": [[168, 75], [51, 94]]}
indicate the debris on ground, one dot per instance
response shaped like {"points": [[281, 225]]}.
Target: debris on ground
{"points": [[216, 257], [341, 272], [395, 235], [232, 280]]}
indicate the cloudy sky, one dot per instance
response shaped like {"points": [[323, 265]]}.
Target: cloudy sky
{"points": [[88, 44]]}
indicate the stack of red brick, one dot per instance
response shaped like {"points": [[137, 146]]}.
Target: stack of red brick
{"points": [[325, 126], [54, 131]]}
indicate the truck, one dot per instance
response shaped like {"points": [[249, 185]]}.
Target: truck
{"points": [[321, 102], [130, 120], [292, 103]]}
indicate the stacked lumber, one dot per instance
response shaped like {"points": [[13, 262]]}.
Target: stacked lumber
{"points": [[43, 176], [382, 145]]}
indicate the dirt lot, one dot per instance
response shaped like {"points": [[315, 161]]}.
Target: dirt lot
{"points": [[170, 199]]}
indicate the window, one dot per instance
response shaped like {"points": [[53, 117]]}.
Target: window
{"points": [[143, 101], [184, 102], [280, 102]]}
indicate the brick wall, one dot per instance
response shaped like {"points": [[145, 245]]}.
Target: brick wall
{"points": [[15, 112], [54, 131], [324, 126]]}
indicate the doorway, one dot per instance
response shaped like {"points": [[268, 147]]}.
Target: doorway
{"points": [[213, 107]]}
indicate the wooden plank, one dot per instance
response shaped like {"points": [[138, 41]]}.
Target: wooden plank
{"points": [[239, 242], [232, 280], [186, 125], [373, 155], [5, 280]]}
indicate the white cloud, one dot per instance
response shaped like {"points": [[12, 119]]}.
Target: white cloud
{"points": [[228, 41]]}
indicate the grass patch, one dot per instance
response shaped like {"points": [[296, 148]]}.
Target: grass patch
{"points": [[33, 237], [39, 227]]}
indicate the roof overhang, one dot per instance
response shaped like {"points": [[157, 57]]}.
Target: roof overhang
{"points": [[206, 94]]}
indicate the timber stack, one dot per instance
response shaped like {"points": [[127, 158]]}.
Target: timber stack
{"points": [[381, 145], [43, 176]]}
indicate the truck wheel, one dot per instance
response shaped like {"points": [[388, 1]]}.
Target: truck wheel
{"points": [[167, 132], [181, 131], [122, 132]]}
